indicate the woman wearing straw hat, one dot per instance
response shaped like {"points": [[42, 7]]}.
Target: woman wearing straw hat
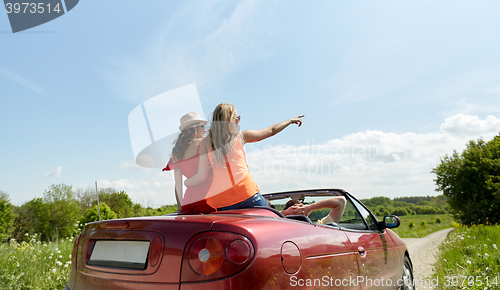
{"points": [[222, 152], [184, 162]]}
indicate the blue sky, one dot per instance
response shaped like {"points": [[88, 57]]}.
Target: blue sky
{"points": [[387, 88]]}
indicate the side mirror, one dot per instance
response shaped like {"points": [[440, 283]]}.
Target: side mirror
{"points": [[391, 221]]}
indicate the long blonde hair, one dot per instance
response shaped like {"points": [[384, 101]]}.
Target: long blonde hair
{"points": [[223, 133], [182, 143]]}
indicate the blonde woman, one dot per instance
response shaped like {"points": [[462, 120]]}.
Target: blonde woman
{"points": [[185, 161], [222, 151]]}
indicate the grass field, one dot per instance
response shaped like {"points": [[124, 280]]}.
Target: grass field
{"points": [[469, 259], [420, 229], [35, 265]]}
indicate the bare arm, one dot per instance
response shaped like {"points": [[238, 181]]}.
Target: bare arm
{"points": [[332, 203], [178, 187], [257, 135], [203, 165], [294, 209]]}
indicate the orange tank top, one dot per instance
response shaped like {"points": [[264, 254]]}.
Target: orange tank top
{"points": [[232, 183]]}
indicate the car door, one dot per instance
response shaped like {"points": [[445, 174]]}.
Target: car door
{"points": [[378, 261]]}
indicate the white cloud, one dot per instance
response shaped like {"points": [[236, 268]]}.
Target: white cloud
{"points": [[370, 163], [123, 184], [17, 78], [131, 165], [55, 173], [367, 164], [155, 191], [466, 125]]}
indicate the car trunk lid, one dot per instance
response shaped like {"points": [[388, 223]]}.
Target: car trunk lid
{"points": [[139, 250]]}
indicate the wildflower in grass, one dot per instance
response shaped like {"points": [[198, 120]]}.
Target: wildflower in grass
{"points": [[54, 270], [26, 234], [70, 256], [50, 257], [58, 251], [469, 262], [461, 238], [485, 245], [60, 257], [59, 263], [486, 255], [494, 246], [45, 245]]}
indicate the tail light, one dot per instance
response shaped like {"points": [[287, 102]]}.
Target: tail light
{"points": [[155, 252], [214, 255]]}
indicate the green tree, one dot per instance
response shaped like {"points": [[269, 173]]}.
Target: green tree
{"points": [[6, 216], [471, 182], [93, 213], [25, 221], [57, 213], [118, 201]]}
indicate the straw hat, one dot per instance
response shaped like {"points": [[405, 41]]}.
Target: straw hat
{"points": [[190, 119]]}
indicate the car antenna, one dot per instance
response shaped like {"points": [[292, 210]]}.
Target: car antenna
{"points": [[98, 206]]}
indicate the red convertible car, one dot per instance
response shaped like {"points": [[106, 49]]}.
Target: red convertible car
{"points": [[255, 248]]}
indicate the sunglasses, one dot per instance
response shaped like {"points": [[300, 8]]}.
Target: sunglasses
{"points": [[238, 118]]}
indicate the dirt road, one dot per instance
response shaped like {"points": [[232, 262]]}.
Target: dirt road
{"points": [[423, 252]]}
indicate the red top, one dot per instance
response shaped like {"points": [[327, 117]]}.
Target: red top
{"points": [[194, 194]]}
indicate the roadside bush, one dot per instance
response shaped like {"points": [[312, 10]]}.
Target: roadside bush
{"points": [[6, 216], [93, 214], [25, 222], [57, 212], [411, 225], [400, 211], [470, 181], [438, 220], [423, 224]]}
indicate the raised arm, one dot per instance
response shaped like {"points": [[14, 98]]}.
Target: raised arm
{"points": [[257, 135], [203, 165]]}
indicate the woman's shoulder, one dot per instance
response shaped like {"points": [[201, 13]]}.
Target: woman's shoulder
{"points": [[205, 142]]}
